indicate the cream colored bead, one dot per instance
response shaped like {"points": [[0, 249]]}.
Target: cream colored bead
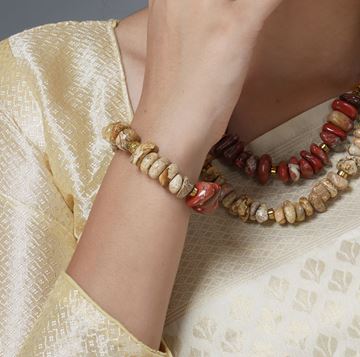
{"points": [[317, 202], [175, 184], [185, 188], [147, 161], [158, 167], [141, 151], [339, 119], [356, 133], [309, 209], [229, 199], [330, 187], [168, 174], [300, 212], [262, 213], [280, 215], [354, 150], [244, 208], [111, 131], [320, 190], [253, 207], [347, 165], [289, 210], [125, 137], [339, 182]]}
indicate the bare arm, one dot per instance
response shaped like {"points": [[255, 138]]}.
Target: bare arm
{"points": [[129, 252]]}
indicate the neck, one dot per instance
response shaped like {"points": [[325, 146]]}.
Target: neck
{"points": [[307, 53]]}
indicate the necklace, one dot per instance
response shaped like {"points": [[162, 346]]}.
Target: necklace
{"points": [[207, 194], [340, 122]]}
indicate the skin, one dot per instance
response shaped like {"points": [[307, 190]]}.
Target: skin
{"points": [[130, 268]]}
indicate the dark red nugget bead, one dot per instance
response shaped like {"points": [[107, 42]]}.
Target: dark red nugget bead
{"points": [[314, 161], [240, 161], [333, 129], [345, 108], [283, 171], [305, 168], [264, 168], [233, 151], [320, 153], [211, 204], [352, 99], [330, 139], [223, 143], [205, 191]]}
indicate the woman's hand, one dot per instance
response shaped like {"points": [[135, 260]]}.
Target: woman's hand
{"points": [[198, 54]]}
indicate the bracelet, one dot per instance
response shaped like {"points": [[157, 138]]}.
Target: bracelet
{"points": [[146, 157]]}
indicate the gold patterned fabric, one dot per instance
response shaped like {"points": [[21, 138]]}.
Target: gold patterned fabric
{"points": [[59, 85]]}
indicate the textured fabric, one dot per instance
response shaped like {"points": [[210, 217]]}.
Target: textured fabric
{"points": [[59, 85]]}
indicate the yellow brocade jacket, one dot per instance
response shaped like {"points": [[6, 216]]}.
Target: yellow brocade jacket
{"points": [[60, 84]]}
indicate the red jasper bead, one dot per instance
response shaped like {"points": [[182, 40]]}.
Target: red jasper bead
{"points": [[314, 161], [330, 139], [233, 151], [251, 165], [293, 160], [320, 153], [240, 161], [333, 129], [345, 108], [226, 141], [205, 191], [210, 205], [264, 168], [305, 168], [352, 99], [283, 171]]}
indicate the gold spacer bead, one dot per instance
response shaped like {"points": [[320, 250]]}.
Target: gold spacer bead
{"points": [[324, 147], [343, 174], [133, 146], [271, 214], [193, 192], [273, 170]]}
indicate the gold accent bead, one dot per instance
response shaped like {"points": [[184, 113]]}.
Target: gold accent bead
{"points": [[343, 174], [271, 214], [193, 192], [273, 170], [324, 147], [133, 146]]}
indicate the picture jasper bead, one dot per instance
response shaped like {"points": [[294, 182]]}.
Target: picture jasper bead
{"points": [[317, 202], [261, 214], [319, 153], [300, 212], [233, 151], [345, 108], [333, 129], [147, 161], [352, 99], [158, 167], [264, 167], [111, 131], [309, 209], [314, 161], [175, 184], [306, 169], [253, 208], [289, 210], [125, 137], [356, 133], [341, 120], [229, 199], [233, 209], [348, 165], [211, 173], [340, 183], [330, 187], [283, 171], [331, 140], [226, 188], [354, 150], [320, 190], [186, 187], [141, 151], [168, 174], [280, 215]]}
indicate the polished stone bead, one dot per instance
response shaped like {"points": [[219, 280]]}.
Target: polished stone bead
{"points": [[356, 133], [233, 151], [262, 213], [158, 167], [330, 187], [352, 99], [320, 190], [229, 199], [345, 108], [289, 210], [356, 142], [313, 160], [309, 209], [111, 131], [319, 153], [330, 139], [253, 208], [233, 209], [240, 161], [168, 174], [317, 202], [333, 129], [251, 165], [340, 182], [210, 173], [226, 188], [264, 167], [341, 120], [242, 207], [141, 151], [283, 171], [348, 165], [226, 141], [294, 169], [354, 150], [280, 215], [306, 169], [300, 212], [125, 137], [186, 187], [210, 205], [147, 161], [175, 184], [205, 190]]}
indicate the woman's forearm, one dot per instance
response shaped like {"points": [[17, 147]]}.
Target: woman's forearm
{"points": [[130, 249]]}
